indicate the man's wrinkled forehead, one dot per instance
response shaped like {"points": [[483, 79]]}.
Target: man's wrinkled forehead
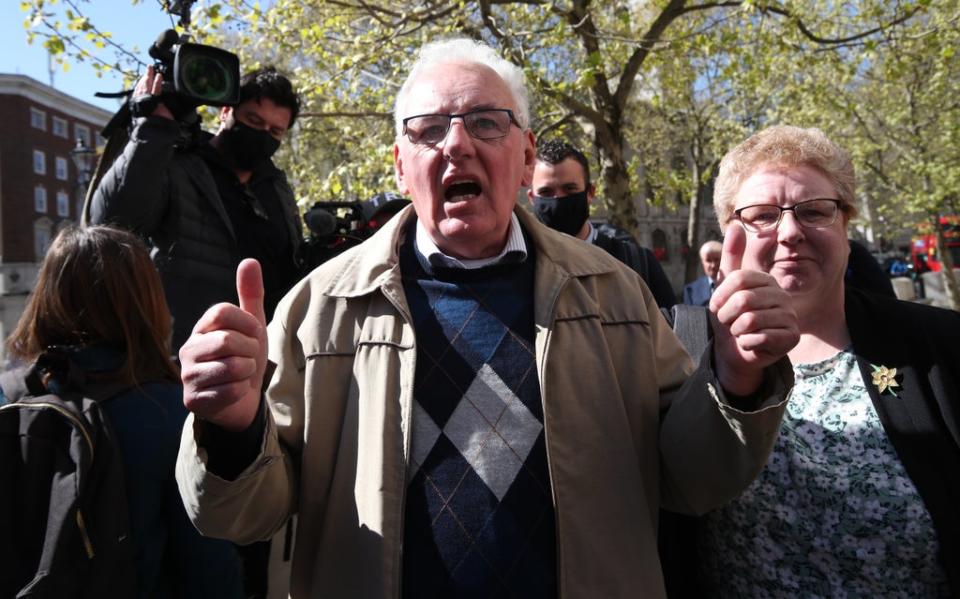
{"points": [[456, 87]]}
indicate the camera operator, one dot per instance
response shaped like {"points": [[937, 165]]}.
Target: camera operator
{"points": [[205, 205]]}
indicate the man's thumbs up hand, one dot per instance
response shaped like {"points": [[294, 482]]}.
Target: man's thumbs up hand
{"points": [[250, 289], [223, 361]]}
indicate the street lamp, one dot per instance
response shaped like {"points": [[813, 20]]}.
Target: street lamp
{"points": [[83, 158]]}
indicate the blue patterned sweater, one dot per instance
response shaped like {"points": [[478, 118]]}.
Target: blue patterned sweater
{"points": [[479, 519]]}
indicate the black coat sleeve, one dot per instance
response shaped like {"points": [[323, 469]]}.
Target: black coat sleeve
{"points": [[135, 191]]}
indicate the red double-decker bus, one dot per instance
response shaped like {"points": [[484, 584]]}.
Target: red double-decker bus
{"points": [[923, 248]]}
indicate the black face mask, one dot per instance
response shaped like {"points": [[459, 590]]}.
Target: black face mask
{"points": [[245, 147], [565, 214]]}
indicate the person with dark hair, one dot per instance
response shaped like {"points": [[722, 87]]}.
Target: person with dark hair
{"points": [[268, 83], [99, 302], [205, 205], [561, 193]]}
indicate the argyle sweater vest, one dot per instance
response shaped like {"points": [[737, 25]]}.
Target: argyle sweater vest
{"points": [[479, 519]]}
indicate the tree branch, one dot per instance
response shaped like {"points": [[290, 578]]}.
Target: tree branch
{"points": [[840, 40], [583, 26], [567, 118], [338, 114], [673, 10]]}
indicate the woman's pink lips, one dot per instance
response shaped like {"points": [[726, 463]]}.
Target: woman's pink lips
{"points": [[790, 263]]}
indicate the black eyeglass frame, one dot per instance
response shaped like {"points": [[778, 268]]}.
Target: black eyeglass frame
{"points": [[754, 229], [450, 117]]}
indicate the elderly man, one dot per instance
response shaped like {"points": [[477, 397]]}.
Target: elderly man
{"points": [[469, 403], [698, 292]]}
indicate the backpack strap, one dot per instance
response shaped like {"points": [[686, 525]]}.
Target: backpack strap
{"points": [[691, 324], [31, 381], [638, 259], [624, 247]]}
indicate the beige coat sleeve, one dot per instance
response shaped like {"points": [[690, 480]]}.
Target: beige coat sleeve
{"points": [[262, 498], [710, 450]]}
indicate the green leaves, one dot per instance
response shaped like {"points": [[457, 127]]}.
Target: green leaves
{"points": [[713, 75]]}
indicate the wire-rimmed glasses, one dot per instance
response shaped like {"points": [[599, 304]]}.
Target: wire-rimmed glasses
{"points": [[484, 123], [815, 214]]}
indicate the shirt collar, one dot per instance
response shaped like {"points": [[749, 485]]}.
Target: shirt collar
{"points": [[515, 250], [591, 233]]}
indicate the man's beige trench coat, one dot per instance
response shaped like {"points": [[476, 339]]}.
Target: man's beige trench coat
{"points": [[624, 434]]}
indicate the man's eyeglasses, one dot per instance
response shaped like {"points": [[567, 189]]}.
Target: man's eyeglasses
{"points": [[487, 123], [815, 214]]}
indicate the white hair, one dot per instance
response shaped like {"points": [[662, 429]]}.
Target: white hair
{"points": [[463, 50], [710, 247]]}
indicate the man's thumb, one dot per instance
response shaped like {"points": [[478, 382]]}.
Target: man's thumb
{"points": [[250, 289]]}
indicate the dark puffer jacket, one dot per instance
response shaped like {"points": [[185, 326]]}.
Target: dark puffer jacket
{"points": [[169, 196]]}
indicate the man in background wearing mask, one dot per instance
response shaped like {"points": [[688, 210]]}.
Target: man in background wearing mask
{"points": [[561, 194], [205, 206]]}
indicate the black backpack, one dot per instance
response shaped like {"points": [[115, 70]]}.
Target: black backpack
{"points": [[621, 245], [64, 523]]}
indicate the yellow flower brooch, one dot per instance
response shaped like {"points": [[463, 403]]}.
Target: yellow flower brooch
{"points": [[885, 379]]}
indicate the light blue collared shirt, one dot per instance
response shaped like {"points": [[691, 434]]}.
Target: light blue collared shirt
{"points": [[515, 250], [591, 234]]}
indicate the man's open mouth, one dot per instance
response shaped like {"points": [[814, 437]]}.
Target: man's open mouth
{"points": [[462, 190]]}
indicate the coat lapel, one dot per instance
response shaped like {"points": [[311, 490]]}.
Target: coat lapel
{"points": [[882, 338], [917, 420]]}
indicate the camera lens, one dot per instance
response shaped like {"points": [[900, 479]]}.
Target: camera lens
{"points": [[206, 78]]}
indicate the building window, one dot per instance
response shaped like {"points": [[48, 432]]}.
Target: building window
{"points": [[38, 119], [82, 132], [63, 203], [42, 234], [61, 168], [39, 162], [60, 127], [40, 199], [660, 245]]}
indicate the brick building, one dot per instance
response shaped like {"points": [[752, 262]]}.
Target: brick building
{"points": [[40, 188]]}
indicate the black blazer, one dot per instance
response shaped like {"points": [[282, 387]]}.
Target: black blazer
{"points": [[922, 422]]}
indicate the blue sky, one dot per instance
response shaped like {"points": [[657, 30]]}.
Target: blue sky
{"points": [[130, 25]]}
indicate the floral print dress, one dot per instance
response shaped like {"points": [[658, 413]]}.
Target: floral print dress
{"points": [[833, 514]]}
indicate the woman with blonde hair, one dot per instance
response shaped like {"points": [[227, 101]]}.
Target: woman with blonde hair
{"points": [[861, 495], [99, 305]]}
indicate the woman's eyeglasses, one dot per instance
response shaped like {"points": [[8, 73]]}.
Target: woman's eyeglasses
{"points": [[815, 214]]}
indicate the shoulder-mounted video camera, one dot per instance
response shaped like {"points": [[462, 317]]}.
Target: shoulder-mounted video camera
{"points": [[196, 74], [193, 75], [338, 226], [334, 228]]}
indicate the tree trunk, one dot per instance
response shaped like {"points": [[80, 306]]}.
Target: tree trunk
{"points": [[692, 266], [616, 179], [946, 260], [616, 183]]}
